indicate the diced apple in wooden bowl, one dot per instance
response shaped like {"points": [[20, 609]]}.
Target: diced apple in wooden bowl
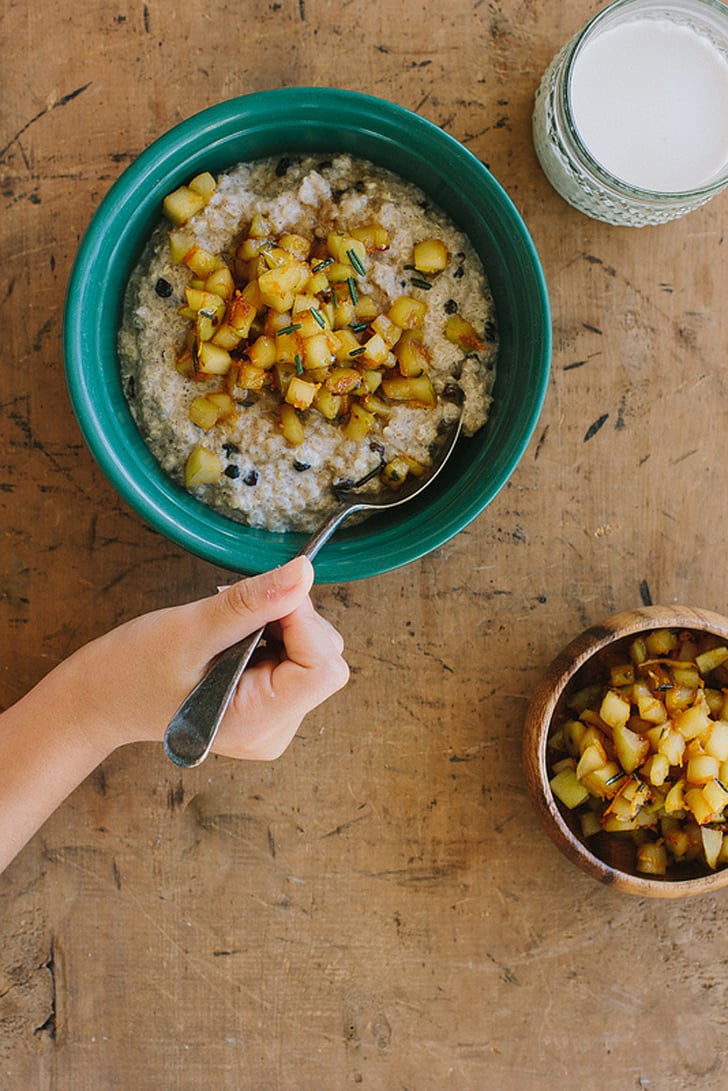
{"points": [[625, 751]]}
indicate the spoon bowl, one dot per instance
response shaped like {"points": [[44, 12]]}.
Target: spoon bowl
{"points": [[350, 501]]}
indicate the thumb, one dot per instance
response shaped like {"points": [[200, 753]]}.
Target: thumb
{"points": [[247, 605]]}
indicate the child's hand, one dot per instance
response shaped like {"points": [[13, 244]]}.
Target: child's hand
{"points": [[126, 686]]}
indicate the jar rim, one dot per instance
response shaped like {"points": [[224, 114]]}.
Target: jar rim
{"points": [[646, 8]]}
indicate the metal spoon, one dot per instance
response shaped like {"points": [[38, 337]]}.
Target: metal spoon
{"points": [[192, 729]]}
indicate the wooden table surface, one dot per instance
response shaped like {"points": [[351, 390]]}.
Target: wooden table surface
{"points": [[380, 907]]}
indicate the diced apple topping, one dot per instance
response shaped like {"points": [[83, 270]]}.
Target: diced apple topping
{"points": [[645, 754], [291, 425], [203, 467], [462, 332], [182, 204], [204, 184], [294, 317], [407, 313], [430, 256], [373, 235]]}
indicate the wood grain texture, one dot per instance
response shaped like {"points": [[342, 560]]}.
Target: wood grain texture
{"points": [[381, 907]]}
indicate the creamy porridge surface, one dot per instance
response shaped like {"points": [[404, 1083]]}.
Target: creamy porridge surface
{"points": [[264, 481]]}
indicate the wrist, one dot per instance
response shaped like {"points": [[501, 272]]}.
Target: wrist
{"points": [[65, 698]]}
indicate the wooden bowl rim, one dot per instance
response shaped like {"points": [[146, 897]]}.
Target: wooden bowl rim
{"points": [[537, 724]]}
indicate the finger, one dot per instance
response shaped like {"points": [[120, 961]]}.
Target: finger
{"points": [[313, 670], [308, 637], [274, 697], [228, 616], [274, 633]]}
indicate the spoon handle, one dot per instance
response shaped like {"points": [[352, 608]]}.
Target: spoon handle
{"points": [[192, 730]]}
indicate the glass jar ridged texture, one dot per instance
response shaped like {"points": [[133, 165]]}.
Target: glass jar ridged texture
{"points": [[577, 175]]}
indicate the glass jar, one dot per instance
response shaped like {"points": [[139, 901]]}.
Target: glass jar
{"points": [[572, 169]]}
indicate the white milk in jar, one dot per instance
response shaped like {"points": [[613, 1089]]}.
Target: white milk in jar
{"points": [[631, 119]]}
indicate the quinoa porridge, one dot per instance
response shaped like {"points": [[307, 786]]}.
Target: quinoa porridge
{"points": [[296, 323]]}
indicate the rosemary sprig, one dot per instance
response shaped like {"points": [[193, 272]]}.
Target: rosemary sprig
{"points": [[418, 282], [615, 778], [352, 290], [289, 329], [357, 352], [319, 317], [356, 262], [322, 265]]}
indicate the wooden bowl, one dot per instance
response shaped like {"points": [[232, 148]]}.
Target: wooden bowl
{"points": [[546, 704]]}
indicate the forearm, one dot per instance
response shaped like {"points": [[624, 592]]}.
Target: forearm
{"points": [[43, 757]]}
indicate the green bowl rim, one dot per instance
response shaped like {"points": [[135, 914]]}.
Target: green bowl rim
{"points": [[98, 401]]}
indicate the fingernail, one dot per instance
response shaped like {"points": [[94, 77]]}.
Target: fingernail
{"points": [[290, 574]]}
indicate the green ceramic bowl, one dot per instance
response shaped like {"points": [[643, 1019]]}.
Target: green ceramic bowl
{"points": [[299, 120]]}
